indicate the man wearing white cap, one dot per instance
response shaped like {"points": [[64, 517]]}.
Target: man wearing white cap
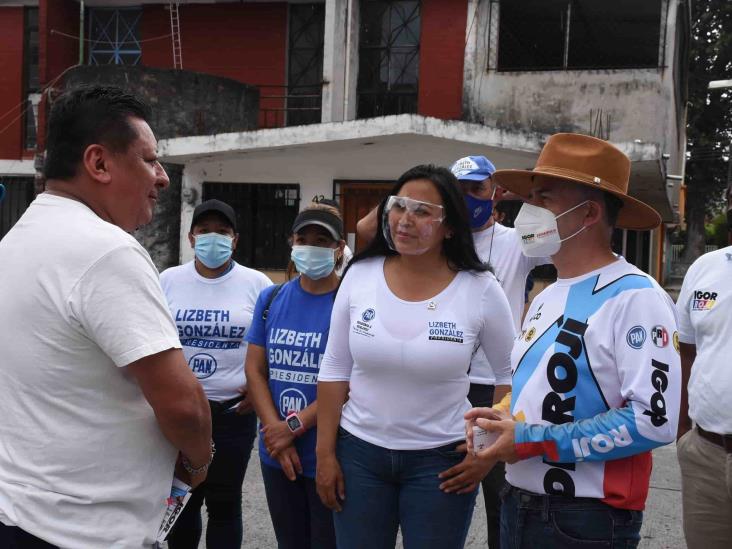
{"points": [[596, 380]]}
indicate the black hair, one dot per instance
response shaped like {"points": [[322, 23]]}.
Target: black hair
{"points": [[86, 115], [612, 209], [459, 249]]}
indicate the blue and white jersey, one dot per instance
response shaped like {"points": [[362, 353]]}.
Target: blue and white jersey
{"points": [[596, 386], [294, 337]]}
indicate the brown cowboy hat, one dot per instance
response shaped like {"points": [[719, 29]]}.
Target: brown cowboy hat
{"points": [[588, 161]]}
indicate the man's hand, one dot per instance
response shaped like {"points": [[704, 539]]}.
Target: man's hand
{"points": [[493, 421], [329, 482], [475, 413], [245, 406], [290, 462], [464, 477], [277, 436]]}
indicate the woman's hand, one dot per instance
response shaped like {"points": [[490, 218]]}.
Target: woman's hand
{"points": [[464, 477], [277, 436], [329, 482], [245, 406], [290, 462]]}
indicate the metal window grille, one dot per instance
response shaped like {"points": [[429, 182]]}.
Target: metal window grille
{"points": [[305, 64], [388, 79], [580, 34], [264, 216], [114, 36]]}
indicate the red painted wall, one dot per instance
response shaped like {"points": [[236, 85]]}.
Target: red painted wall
{"points": [[11, 82], [56, 53], [245, 42], [441, 55]]}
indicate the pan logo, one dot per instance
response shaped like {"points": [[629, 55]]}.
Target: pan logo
{"points": [[292, 400], [368, 315], [636, 337], [202, 365]]}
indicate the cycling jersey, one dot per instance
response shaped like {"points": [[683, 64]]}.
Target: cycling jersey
{"points": [[596, 386]]}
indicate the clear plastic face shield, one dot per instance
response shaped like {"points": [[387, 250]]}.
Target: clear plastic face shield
{"points": [[408, 224]]}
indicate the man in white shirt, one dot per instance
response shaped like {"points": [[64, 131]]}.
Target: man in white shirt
{"points": [[96, 397], [705, 451]]}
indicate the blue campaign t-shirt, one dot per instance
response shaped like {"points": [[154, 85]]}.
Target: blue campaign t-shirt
{"points": [[294, 337]]}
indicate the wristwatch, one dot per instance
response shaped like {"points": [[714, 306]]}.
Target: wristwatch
{"points": [[295, 424]]}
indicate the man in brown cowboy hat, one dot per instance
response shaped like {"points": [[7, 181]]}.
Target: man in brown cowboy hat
{"points": [[596, 379]]}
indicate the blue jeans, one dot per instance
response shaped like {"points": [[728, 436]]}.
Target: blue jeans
{"points": [[234, 436], [299, 518], [530, 521], [388, 488]]}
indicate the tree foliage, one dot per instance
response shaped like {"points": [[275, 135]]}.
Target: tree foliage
{"points": [[709, 117]]}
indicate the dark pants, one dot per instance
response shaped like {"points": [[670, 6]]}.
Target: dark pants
{"points": [[12, 537], [299, 518], [530, 521], [386, 489], [234, 436], [482, 396]]}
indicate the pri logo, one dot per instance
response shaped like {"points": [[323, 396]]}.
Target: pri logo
{"points": [[659, 336], [368, 315], [703, 301], [202, 365], [636, 337]]}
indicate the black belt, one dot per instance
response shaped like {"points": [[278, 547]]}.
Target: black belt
{"points": [[220, 407], [725, 441]]}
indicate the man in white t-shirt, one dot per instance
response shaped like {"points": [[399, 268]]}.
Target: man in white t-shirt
{"points": [[705, 451], [97, 400], [499, 246]]}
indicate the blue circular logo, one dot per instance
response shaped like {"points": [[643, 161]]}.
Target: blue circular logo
{"points": [[368, 315], [636, 337], [292, 400], [202, 365]]}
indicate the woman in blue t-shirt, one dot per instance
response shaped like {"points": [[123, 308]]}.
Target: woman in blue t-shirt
{"points": [[286, 343]]}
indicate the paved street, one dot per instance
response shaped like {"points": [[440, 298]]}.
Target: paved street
{"points": [[661, 525]]}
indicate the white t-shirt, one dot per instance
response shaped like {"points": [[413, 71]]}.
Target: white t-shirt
{"points": [[83, 462], [705, 320], [511, 268], [212, 316], [407, 361], [596, 386]]}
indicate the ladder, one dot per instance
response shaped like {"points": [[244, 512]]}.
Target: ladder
{"points": [[175, 34]]}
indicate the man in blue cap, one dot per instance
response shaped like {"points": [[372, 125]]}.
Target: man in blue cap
{"points": [[500, 247]]}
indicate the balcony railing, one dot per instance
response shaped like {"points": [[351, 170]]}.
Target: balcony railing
{"points": [[281, 106]]}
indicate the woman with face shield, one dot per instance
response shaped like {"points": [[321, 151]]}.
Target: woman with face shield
{"points": [[286, 345], [392, 390], [211, 300]]}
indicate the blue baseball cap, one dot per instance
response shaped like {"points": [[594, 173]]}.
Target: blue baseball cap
{"points": [[473, 168], [2, 192]]}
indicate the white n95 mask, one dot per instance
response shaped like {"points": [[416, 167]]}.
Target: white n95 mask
{"points": [[538, 230]]}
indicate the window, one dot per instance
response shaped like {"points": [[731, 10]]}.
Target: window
{"points": [[578, 34], [264, 216], [388, 74], [305, 64], [114, 36], [30, 76]]}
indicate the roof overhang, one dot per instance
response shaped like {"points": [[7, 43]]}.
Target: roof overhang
{"points": [[383, 147], [17, 168]]}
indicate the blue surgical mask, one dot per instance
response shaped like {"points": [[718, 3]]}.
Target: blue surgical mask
{"points": [[213, 249], [313, 261], [479, 211]]}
